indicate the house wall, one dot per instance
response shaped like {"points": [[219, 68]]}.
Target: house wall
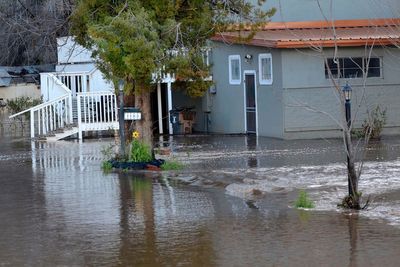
{"points": [[227, 106], [304, 10], [305, 88], [97, 80], [18, 90], [69, 51]]}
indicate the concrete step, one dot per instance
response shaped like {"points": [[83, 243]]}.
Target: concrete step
{"points": [[66, 133]]}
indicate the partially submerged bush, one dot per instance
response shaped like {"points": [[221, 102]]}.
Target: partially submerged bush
{"points": [[372, 126], [108, 151], [22, 103], [106, 166], [139, 152], [171, 166], [303, 201]]}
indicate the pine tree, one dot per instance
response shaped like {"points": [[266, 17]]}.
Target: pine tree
{"points": [[133, 39]]}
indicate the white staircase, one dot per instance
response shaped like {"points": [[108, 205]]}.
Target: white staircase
{"points": [[69, 114]]}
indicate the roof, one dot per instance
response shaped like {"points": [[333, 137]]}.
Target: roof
{"points": [[23, 74], [321, 34]]}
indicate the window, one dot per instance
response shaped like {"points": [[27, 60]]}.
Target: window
{"points": [[234, 69], [265, 68], [354, 67]]}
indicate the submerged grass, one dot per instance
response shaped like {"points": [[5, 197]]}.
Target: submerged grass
{"points": [[303, 201], [172, 166]]}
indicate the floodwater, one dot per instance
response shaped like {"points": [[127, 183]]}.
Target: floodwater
{"points": [[232, 206]]}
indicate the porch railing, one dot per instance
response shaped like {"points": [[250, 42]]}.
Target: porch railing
{"points": [[51, 87], [97, 111], [49, 116], [76, 82]]}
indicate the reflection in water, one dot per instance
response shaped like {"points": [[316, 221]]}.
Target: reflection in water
{"points": [[376, 150], [251, 144], [150, 232], [353, 234]]}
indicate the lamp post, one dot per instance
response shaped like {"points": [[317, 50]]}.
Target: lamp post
{"points": [[347, 96], [121, 117]]}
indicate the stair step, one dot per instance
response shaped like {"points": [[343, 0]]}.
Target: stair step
{"points": [[41, 138]]}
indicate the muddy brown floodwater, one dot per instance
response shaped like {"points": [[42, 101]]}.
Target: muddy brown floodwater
{"points": [[58, 208]]}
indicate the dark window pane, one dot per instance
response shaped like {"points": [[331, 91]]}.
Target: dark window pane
{"points": [[352, 67], [374, 67], [250, 91], [374, 62], [333, 66], [374, 72], [352, 63]]}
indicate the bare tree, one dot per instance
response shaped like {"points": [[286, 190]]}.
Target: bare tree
{"points": [[361, 69], [30, 28]]}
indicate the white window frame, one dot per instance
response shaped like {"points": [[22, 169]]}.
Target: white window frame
{"points": [[261, 80], [231, 80]]}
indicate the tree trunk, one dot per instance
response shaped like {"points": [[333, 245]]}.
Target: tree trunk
{"points": [[144, 126], [353, 200]]}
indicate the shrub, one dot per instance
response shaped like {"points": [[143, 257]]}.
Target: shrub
{"points": [[139, 152], [373, 125], [376, 122], [106, 166], [171, 165], [108, 151], [22, 103], [303, 201]]}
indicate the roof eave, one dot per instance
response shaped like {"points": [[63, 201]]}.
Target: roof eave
{"points": [[253, 42]]}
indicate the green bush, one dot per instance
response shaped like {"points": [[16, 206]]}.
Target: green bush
{"points": [[106, 166], [139, 152], [22, 103], [303, 201], [171, 165]]}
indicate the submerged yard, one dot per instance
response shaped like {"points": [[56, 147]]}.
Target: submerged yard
{"points": [[231, 206]]}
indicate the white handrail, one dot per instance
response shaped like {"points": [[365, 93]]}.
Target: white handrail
{"points": [[37, 107], [95, 93], [59, 82]]}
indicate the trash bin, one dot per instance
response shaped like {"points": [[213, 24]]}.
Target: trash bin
{"points": [[182, 120], [174, 119]]}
